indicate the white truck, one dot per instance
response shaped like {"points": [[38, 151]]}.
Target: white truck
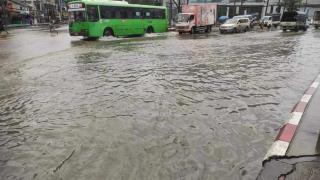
{"points": [[196, 17]]}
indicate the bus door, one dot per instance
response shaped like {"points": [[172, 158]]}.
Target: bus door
{"points": [[122, 24], [135, 22], [147, 15], [93, 20]]}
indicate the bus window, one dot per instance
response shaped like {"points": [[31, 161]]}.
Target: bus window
{"points": [[130, 13], [148, 14], [93, 14], [137, 14], [123, 13], [77, 16], [158, 14], [107, 12]]}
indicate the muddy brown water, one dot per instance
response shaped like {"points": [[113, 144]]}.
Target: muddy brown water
{"points": [[157, 107]]}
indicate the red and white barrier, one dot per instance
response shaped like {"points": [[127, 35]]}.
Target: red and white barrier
{"points": [[286, 133]]}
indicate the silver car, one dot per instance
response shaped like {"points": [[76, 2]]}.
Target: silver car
{"points": [[235, 25]]}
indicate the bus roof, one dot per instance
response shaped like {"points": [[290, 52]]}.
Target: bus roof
{"points": [[115, 3]]}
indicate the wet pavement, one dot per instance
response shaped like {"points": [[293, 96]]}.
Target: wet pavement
{"points": [[291, 168], [158, 107]]}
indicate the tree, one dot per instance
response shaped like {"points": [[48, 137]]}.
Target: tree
{"points": [[292, 5], [3, 11]]}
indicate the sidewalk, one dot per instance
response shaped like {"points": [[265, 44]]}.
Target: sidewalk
{"points": [[306, 139], [295, 153], [11, 26]]}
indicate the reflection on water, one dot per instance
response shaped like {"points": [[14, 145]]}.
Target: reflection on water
{"points": [[159, 107]]}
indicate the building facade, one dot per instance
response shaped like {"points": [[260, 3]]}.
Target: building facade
{"points": [[16, 12], [310, 6], [258, 8]]}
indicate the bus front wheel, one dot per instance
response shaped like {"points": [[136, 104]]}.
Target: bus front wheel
{"points": [[108, 32], [149, 30], [90, 38]]}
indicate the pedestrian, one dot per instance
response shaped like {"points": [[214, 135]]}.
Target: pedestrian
{"points": [[30, 20], [2, 28], [261, 25], [52, 26]]}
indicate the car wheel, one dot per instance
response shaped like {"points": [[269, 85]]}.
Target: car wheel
{"points": [[235, 30], [246, 29], [284, 30], [316, 27], [304, 28], [192, 31], [150, 30]]}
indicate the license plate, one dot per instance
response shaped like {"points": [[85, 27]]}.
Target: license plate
{"points": [[75, 6]]}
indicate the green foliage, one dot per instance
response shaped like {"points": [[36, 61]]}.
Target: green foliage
{"points": [[292, 5]]}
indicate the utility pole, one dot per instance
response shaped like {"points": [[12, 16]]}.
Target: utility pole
{"points": [[170, 21], [265, 12], [305, 5], [241, 4], [234, 7]]}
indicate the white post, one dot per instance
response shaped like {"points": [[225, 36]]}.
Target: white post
{"points": [[227, 12]]}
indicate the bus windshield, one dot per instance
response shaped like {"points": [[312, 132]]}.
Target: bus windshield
{"points": [[77, 16]]}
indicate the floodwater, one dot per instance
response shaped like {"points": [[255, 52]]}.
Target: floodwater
{"points": [[158, 107]]}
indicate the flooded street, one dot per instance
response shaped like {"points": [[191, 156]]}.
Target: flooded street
{"points": [[158, 107]]}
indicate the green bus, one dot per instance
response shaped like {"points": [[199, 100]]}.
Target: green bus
{"points": [[96, 18]]}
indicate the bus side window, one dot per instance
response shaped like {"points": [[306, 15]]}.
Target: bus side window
{"points": [[92, 12], [130, 14], [107, 12], [123, 13], [148, 14], [158, 14], [137, 13]]}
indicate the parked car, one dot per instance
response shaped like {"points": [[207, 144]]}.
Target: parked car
{"points": [[235, 25], [223, 19], [252, 19], [294, 20], [316, 19], [266, 21]]}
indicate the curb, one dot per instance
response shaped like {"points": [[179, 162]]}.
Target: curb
{"points": [[287, 131]]}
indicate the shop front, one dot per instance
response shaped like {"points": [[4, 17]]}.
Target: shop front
{"points": [[18, 13]]}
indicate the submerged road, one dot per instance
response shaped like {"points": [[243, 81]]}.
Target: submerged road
{"points": [[162, 106]]}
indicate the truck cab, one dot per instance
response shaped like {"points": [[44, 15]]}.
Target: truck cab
{"points": [[316, 19], [294, 20], [196, 18], [185, 22]]}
